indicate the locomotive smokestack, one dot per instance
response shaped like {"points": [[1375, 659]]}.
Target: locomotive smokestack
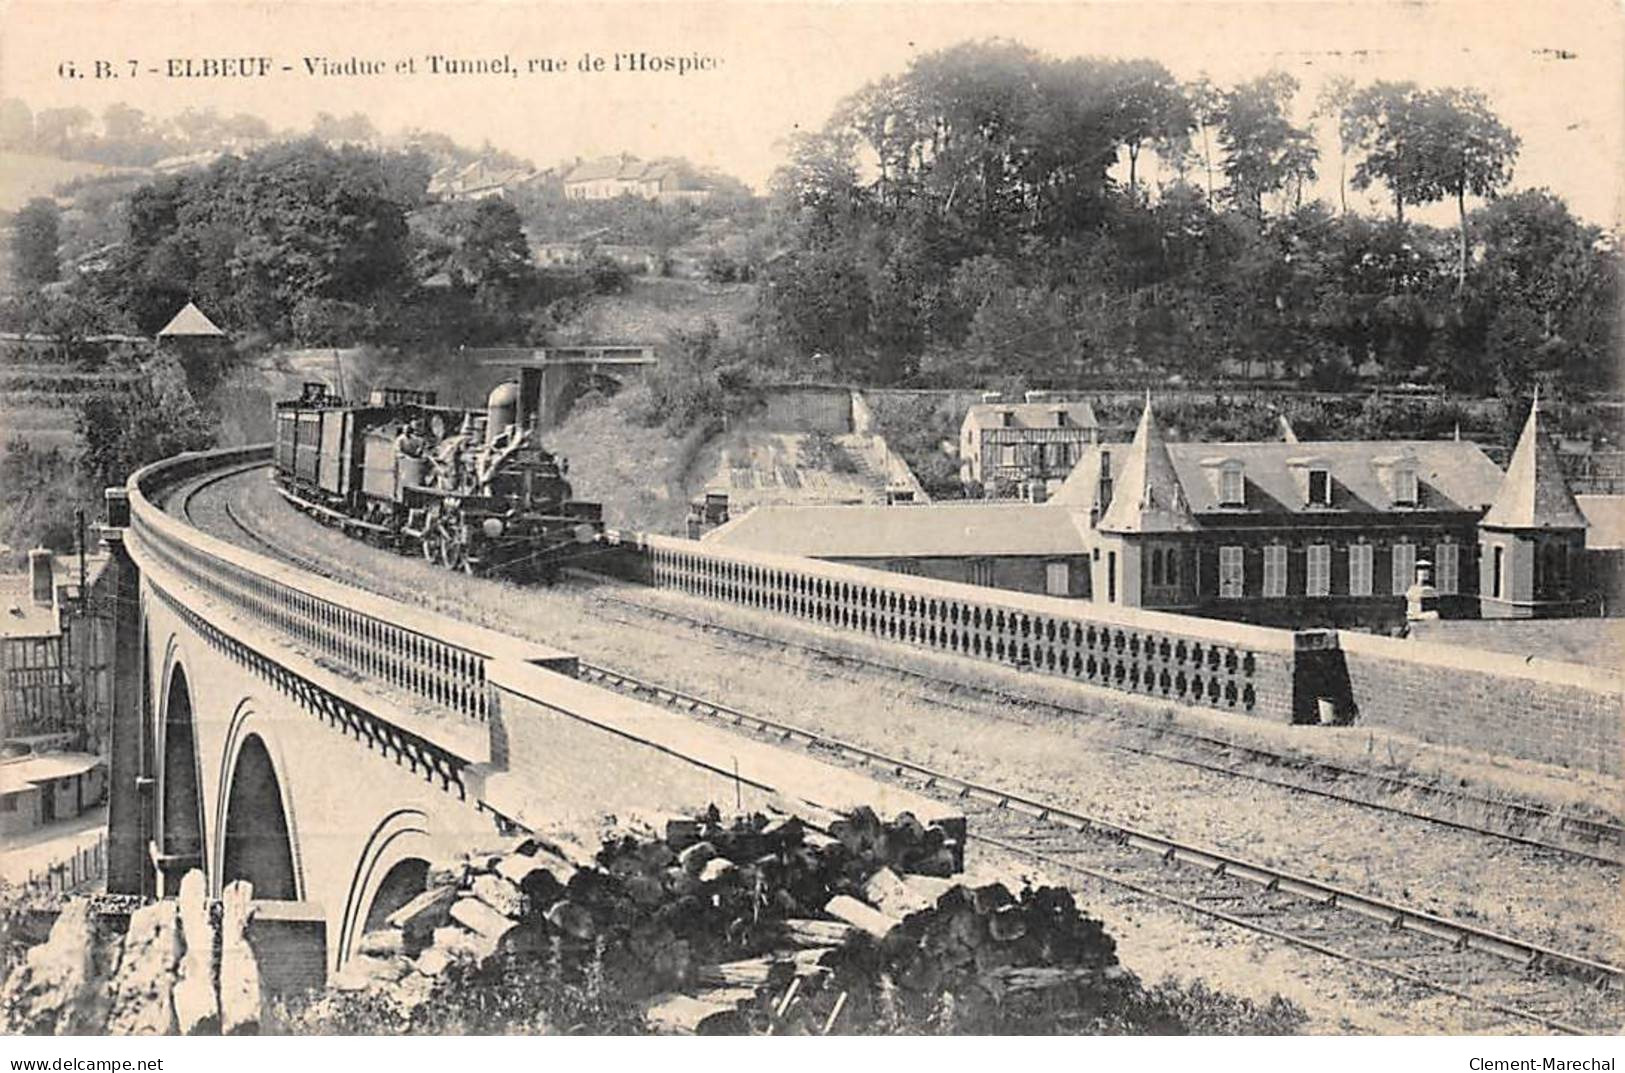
{"points": [[501, 409]]}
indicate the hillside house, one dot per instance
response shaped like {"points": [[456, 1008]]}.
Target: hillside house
{"points": [[1029, 447], [615, 176]]}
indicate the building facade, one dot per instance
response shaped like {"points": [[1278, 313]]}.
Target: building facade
{"points": [[1328, 534], [1024, 449]]}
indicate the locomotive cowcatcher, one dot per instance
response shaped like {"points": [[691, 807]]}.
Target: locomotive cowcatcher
{"points": [[471, 490]]}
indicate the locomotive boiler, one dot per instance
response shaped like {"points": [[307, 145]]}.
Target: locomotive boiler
{"points": [[470, 490]]}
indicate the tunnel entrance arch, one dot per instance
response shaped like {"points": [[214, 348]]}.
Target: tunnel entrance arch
{"points": [[258, 846], [180, 838]]}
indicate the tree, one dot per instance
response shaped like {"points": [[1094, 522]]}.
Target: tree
{"points": [[57, 130], [1207, 111], [1149, 107], [1264, 152], [140, 421], [1464, 149], [1333, 104], [122, 123], [34, 241], [1380, 119]]}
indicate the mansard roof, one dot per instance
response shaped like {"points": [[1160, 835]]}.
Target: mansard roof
{"points": [[1534, 494], [957, 530], [1148, 495], [1031, 414]]}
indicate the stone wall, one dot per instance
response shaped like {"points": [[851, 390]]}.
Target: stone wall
{"points": [[1541, 710]]}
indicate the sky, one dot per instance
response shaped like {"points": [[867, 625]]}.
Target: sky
{"points": [[1553, 70]]}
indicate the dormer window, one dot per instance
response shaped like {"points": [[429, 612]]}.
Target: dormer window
{"points": [[1320, 488], [1398, 476], [1313, 478], [1227, 480], [1405, 484]]}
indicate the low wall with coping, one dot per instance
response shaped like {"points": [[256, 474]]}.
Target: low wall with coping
{"points": [[1539, 710], [1558, 713]]}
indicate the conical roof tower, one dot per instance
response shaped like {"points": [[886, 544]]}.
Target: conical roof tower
{"points": [[1147, 497], [1533, 494]]}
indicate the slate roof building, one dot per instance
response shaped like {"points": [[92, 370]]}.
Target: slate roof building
{"points": [[1277, 533], [1026, 547], [613, 176], [1327, 533], [1026, 448]]}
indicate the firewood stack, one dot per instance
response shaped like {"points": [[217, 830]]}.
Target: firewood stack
{"points": [[755, 923]]}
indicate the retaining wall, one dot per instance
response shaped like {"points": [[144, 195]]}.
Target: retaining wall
{"points": [[1559, 713]]}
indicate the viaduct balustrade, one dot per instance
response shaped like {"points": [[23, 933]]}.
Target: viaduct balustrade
{"points": [[428, 657], [1194, 661]]}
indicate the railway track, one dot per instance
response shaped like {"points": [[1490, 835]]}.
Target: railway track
{"points": [[1521, 982], [1586, 839], [1594, 841], [1513, 982]]}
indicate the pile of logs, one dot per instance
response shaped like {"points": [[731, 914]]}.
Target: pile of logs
{"points": [[756, 923]]}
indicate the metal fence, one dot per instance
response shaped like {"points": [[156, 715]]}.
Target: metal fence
{"points": [[87, 865]]}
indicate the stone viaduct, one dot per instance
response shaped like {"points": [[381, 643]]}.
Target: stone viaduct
{"points": [[327, 745]]}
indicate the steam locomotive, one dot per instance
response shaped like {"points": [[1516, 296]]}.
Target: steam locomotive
{"points": [[470, 490]]}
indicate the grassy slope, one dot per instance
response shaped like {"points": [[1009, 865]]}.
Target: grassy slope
{"points": [[653, 308]]}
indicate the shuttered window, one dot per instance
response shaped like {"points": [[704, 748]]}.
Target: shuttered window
{"points": [[1057, 579], [1275, 570], [1447, 568], [1231, 578], [1319, 582], [1404, 568], [1360, 556]]}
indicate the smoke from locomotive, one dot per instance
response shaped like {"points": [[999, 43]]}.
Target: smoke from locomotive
{"points": [[471, 490]]}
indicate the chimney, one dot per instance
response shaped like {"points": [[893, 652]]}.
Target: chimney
{"points": [[43, 578]]}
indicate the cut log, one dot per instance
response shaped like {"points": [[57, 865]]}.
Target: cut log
{"points": [[420, 916], [500, 895], [898, 896], [817, 933], [433, 961], [754, 972], [1030, 979], [696, 857], [846, 908], [482, 920], [716, 869], [1007, 924], [705, 1013], [460, 944], [386, 942]]}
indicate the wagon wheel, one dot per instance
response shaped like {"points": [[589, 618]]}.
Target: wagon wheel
{"points": [[454, 552]]}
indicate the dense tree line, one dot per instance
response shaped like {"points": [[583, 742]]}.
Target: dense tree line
{"points": [[986, 214]]}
